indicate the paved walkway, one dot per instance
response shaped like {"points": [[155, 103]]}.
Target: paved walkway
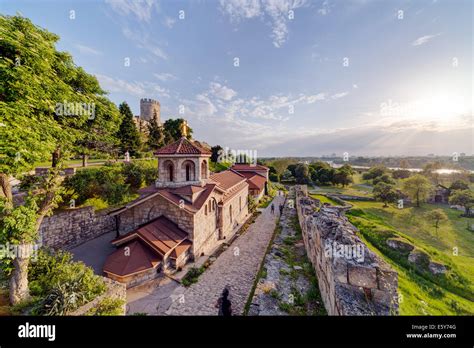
{"points": [[235, 268]]}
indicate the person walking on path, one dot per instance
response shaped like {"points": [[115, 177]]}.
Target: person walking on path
{"points": [[224, 304], [281, 209], [273, 208]]}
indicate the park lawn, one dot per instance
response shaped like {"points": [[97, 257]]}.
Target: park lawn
{"points": [[412, 222], [324, 199], [423, 295], [357, 188]]}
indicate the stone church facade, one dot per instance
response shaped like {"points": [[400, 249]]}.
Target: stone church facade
{"points": [[186, 214]]}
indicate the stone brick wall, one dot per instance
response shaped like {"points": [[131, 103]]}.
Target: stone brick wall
{"points": [[114, 290], [153, 208], [352, 279], [69, 228]]}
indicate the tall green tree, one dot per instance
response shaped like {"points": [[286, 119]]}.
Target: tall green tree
{"points": [[174, 130], [156, 134], [128, 133], [385, 193], [418, 188], [464, 198], [42, 93]]}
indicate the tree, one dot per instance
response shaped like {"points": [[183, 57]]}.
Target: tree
{"points": [[302, 174], [464, 198], [101, 128], [430, 170], [437, 216], [459, 185], [174, 130], [417, 187], [375, 172], [322, 173], [156, 134], [42, 93], [384, 178], [128, 132], [216, 152], [385, 193], [401, 174]]}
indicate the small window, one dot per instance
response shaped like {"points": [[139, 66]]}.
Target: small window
{"points": [[205, 210]]}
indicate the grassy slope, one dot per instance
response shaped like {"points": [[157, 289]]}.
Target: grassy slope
{"points": [[423, 294], [420, 296], [324, 199]]}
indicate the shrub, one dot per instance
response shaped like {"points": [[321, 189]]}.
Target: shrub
{"points": [[108, 306], [97, 203], [62, 283], [133, 175]]}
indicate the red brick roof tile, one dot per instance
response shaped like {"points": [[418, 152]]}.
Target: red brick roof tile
{"points": [[184, 147]]}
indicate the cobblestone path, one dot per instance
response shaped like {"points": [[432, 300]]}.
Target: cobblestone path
{"points": [[235, 268], [288, 285]]}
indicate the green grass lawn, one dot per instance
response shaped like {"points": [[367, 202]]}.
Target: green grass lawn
{"points": [[423, 293], [324, 199], [357, 188]]}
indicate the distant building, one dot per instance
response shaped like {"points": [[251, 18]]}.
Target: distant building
{"points": [[150, 108], [439, 195]]}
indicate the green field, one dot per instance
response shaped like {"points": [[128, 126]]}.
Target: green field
{"points": [[323, 199], [422, 292]]}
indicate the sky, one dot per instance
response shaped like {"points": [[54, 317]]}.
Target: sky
{"points": [[283, 77]]}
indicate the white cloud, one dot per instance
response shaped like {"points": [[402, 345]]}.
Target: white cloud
{"points": [[139, 89], [314, 98], [165, 76], [325, 8], [169, 22], [222, 92], [142, 9], [88, 50], [424, 39], [339, 95], [277, 11]]}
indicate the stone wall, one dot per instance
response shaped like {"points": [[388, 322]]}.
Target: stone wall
{"points": [[153, 208], [114, 290], [69, 228], [352, 279]]}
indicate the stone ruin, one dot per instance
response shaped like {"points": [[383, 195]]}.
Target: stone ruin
{"points": [[353, 280]]}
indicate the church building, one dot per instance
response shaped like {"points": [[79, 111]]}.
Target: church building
{"points": [[185, 215]]}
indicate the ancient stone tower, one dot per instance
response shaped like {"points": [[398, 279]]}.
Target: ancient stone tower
{"points": [[149, 107]]}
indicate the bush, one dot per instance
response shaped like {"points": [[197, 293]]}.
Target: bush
{"points": [[133, 175], [97, 203], [108, 306], [62, 283]]}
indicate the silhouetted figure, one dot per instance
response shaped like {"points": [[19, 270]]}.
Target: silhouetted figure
{"points": [[225, 307], [281, 209], [273, 208]]}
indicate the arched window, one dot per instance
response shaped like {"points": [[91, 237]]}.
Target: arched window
{"points": [[230, 213], [189, 170], [205, 210], [204, 169], [240, 203], [169, 170]]}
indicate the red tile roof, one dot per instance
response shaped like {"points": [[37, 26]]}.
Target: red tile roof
{"points": [[184, 147], [227, 179], [161, 234], [188, 190], [257, 182], [138, 258]]}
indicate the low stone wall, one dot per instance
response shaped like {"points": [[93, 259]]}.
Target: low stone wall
{"points": [[352, 279], [69, 228], [114, 290]]}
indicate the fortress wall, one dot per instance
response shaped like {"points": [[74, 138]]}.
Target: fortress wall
{"points": [[353, 280]]}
